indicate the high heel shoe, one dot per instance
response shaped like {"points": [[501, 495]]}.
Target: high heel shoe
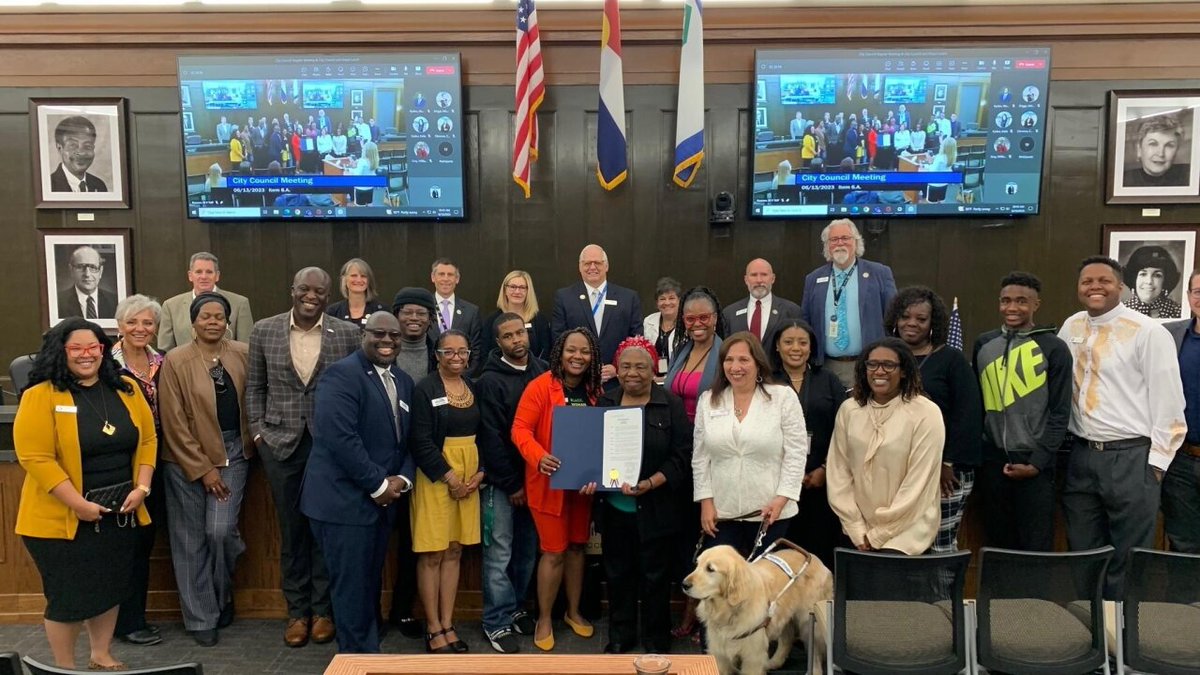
{"points": [[430, 649], [582, 630], [456, 645], [545, 644]]}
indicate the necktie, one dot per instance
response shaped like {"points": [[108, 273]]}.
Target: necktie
{"points": [[597, 308], [389, 383], [756, 320], [843, 336], [83, 186], [446, 315], [91, 307]]}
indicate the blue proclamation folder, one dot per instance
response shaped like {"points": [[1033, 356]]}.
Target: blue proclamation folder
{"points": [[578, 440]]}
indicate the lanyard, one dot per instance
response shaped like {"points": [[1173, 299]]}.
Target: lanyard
{"points": [[838, 290], [599, 299]]}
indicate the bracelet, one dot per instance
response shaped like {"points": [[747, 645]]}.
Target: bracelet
{"points": [[145, 489]]}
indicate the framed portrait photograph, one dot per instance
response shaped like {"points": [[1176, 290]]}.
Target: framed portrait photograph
{"points": [[760, 117], [761, 91], [939, 92], [189, 125], [85, 273], [939, 109], [79, 153], [356, 98], [1152, 147], [1158, 262], [185, 96]]}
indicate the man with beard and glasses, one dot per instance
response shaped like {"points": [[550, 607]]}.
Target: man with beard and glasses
{"points": [[510, 541], [763, 312], [288, 352], [844, 300], [360, 467]]}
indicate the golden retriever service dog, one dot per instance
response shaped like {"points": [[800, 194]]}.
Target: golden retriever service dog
{"points": [[735, 596]]}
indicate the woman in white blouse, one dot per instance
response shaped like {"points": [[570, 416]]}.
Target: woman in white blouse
{"points": [[884, 462], [749, 450]]}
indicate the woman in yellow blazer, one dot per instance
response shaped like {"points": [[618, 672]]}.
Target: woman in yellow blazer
{"points": [[85, 437], [206, 451]]}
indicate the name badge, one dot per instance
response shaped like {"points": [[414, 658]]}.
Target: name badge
{"points": [[718, 413], [611, 303], [439, 402], [404, 406], [66, 409], [662, 365], [1074, 341], [529, 325], [822, 280], [832, 333], [741, 311]]}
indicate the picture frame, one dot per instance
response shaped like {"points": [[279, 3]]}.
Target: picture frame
{"points": [[939, 92], [939, 109], [92, 134], [760, 117], [1169, 249], [78, 263], [1153, 148], [761, 91], [189, 127], [356, 98], [185, 96]]}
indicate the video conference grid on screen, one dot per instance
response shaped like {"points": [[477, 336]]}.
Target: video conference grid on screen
{"points": [[899, 132], [350, 136]]}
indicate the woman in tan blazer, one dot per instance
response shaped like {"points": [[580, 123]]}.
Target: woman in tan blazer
{"points": [[206, 461]]}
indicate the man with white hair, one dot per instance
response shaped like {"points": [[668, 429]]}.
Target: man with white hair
{"points": [[611, 312], [844, 300]]}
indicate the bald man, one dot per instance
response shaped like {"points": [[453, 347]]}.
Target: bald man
{"points": [[763, 312], [611, 312], [84, 297]]}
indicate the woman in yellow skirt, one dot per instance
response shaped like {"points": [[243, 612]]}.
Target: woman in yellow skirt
{"points": [[445, 508]]}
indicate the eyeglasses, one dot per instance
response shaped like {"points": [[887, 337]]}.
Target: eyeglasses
{"points": [[888, 367], [460, 353], [415, 313], [844, 239], [380, 333], [1194, 293], [87, 267], [515, 287], [591, 263], [217, 373], [702, 319], [94, 349]]}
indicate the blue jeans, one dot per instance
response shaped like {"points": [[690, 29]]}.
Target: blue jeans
{"points": [[509, 552]]}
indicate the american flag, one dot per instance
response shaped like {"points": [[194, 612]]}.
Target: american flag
{"points": [[531, 89], [954, 336]]}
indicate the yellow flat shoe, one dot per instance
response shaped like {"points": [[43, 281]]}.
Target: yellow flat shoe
{"points": [[546, 644], [580, 629]]}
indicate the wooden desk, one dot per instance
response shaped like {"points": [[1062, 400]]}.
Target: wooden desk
{"points": [[768, 160], [197, 163], [510, 664], [337, 167], [909, 164]]}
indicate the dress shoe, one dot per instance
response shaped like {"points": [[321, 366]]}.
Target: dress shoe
{"points": [[143, 638], [205, 638], [323, 630], [226, 617], [523, 623], [296, 634], [430, 649], [409, 627], [617, 648], [581, 629], [92, 665], [456, 644]]}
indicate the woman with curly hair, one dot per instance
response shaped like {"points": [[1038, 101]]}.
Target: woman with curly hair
{"points": [[882, 470], [919, 317], [562, 518], [84, 435]]}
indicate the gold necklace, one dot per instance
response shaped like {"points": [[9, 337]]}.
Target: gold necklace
{"points": [[108, 429], [463, 399]]}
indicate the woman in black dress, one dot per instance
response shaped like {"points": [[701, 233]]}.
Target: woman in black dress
{"points": [[85, 437], [821, 393]]}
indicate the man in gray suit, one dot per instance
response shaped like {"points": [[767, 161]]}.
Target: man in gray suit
{"points": [[763, 312], [175, 326], [1181, 484], [287, 355], [453, 311]]}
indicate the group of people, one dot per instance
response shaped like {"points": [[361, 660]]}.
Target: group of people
{"points": [[294, 143], [875, 140], [847, 419]]}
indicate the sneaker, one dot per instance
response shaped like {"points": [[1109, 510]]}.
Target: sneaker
{"points": [[503, 640], [523, 623]]}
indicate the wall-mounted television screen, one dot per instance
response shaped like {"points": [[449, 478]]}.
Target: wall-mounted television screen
{"points": [[344, 136], [899, 132]]}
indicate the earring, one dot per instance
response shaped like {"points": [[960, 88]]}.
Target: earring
{"points": [[758, 380]]}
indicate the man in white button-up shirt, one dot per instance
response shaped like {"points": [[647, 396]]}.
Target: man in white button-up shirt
{"points": [[1126, 416]]}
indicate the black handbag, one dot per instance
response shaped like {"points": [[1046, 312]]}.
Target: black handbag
{"points": [[112, 497]]}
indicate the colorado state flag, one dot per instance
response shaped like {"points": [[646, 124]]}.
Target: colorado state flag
{"points": [[613, 165], [689, 116]]}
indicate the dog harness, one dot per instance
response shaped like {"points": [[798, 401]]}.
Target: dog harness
{"points": [[787, 570]]}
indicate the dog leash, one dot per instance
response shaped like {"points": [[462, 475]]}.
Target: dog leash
{"points": [[758, 539], [786, 569]]}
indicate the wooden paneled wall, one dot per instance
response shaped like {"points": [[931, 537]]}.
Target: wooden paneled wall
{"points": [[649, 227]]}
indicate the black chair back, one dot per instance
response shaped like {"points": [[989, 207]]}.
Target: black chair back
{"points": [[19, 370], [10, 664], [895, 614], [1162, 612], [1041, 613], [36, 668]]}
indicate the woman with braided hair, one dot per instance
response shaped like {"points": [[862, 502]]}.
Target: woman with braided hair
{"points": [[562, 518], [639, 524]]}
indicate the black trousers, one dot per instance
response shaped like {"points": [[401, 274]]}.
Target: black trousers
{"points": [[132, 615], [1181, 503], [404, 591], [1017, 514], [816, 528], [305, 580], [636, 569]]}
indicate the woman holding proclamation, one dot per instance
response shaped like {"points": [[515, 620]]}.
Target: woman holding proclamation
{"points": [[638, 525], [85, 437]]}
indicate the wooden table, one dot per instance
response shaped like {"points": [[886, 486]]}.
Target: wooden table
{"points": [[909, 164], [337, 167], [509, 664]]}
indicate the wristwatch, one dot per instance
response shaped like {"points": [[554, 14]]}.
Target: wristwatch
{"points": [[144, 488]]}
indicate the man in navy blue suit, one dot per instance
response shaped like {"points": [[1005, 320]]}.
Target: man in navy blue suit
{"points": [[611, 312], [358, 469], [844, 299]]}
